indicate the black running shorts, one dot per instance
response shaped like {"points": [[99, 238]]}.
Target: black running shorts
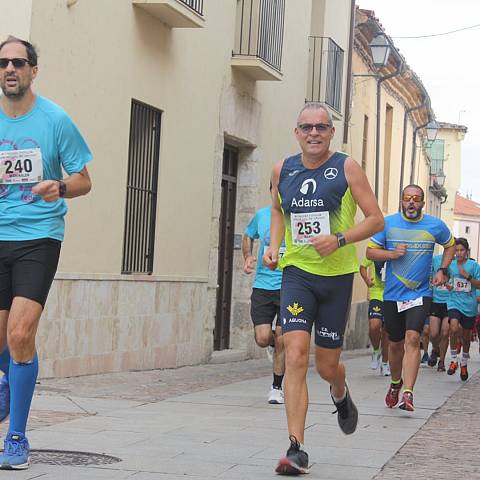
{"points": [[27, 269], [397, 323], [308, 300], [265, 306], [375, 310], [466, 322], [438, 310]]}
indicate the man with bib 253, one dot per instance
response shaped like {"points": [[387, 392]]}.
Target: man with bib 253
{"points": [[38, 139], [406, 244], [462, 304], [314, 200]]}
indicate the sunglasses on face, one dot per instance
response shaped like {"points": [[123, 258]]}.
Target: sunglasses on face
{"points": [[319, 127], [415, 198], [16, 62]]}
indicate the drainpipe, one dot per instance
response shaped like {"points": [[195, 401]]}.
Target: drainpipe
{"points": [[408, 111], [377, 142], [414, 151], [348, 91]]}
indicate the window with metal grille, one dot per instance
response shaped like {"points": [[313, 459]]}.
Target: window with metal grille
{"points": [[142, 180]]}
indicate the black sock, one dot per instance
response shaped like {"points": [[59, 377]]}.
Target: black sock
{"points": [[277, 381]]}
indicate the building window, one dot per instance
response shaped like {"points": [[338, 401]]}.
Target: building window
{"points": [[467, 229], [436, 150], [142, 180], [365, 143]]}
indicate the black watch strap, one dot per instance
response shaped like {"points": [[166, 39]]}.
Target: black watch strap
{"points": [[444, 270], [341, 239], [62, 188]]}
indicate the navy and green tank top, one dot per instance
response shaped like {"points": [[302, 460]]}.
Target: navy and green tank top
{"points": [[303, 191]]}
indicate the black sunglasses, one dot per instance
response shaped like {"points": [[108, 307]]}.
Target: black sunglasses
{"points": [[16, 62], [319, 127]]}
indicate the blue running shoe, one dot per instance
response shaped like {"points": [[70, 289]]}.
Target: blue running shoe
{"points": [[424, 360], [4, 399], [16, 452]]}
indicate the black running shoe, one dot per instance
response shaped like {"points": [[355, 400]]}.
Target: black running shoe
{"points": [[432, 361], [347, 413], [296, 460]]}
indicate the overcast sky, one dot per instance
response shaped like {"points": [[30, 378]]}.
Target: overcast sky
{"points": [[447, 65]]}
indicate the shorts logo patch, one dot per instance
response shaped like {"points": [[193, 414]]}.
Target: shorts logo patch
{"points": [[294, 320], [323, 332], [376, 309], [295, 310]]}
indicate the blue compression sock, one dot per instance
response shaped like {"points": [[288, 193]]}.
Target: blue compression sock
{"points": [[22, 379], [5, 362]]}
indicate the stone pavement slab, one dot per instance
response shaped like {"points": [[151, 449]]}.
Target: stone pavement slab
{"points": [[220, 425], [447, 445]]}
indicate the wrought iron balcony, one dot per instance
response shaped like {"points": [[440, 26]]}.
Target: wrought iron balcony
{"points": [[175, 13], [259, 38], [195, 5], [325, 72]]}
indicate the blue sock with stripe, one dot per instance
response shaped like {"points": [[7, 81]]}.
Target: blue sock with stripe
{"points": [[22, 379]]}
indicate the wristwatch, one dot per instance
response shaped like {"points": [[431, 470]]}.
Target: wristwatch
{"points": [[62, 188], [469, 277], [444, 270], [341, 239]]}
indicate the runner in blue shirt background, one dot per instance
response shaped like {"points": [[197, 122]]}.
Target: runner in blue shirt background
{"points": [[462, 304], [439, 327], [265, 298]]}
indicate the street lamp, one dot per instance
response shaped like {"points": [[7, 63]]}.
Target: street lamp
{"points": [[432, 130], [380, 48], [440, 179]]}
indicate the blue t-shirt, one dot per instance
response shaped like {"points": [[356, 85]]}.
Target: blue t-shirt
{"points": [[463, 297], [440, 294], [259, 228], [408, 277], [49, 130]]}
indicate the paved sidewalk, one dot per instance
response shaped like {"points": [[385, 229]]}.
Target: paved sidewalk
{"points": [[213, 421]]}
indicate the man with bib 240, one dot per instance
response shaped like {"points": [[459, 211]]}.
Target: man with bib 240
{"points": [[407, 244], [314, 199], [38, 139]]}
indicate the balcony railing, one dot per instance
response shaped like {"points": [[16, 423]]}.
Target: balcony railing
{"points": [[175, 13], [325, 72], [259, 32], [195, 5]]}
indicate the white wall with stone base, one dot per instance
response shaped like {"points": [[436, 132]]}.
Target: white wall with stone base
{"points": [[109, 325]]}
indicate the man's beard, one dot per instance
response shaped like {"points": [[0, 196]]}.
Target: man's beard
{"points": [[18, 92], [406, 214]]}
